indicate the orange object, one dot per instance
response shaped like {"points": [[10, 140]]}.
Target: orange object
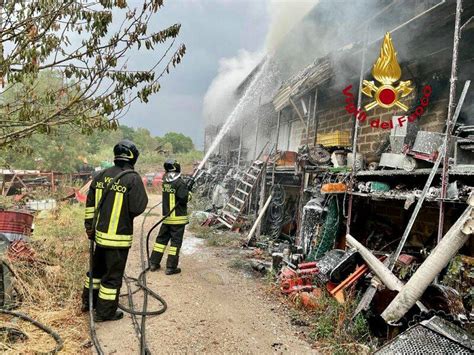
{"points": [[337, 290], [308, 300], [287, 158], [81, 194], [335, 187]]}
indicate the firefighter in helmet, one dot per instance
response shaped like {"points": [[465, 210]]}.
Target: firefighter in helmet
{"points": [[124, 199], [176, 195]]}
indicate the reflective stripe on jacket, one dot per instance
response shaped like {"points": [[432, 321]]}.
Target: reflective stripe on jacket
{"points": [[126, 199], [175, 196]]}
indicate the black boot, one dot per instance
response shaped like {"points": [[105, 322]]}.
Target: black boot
{"points": [[154, 267], [118, 315], [85, 299], [172, 271]]}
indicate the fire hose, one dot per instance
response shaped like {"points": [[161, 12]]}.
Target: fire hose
{"points": [[140, 280], [44, 328], [25, 317]]}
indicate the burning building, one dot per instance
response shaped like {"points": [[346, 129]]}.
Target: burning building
{"points": [[363, 128]]}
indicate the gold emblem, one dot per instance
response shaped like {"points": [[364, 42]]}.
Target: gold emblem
{"points": [[387, 71]]}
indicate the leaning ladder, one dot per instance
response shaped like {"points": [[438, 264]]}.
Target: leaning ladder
{"points": [[238, 201]]}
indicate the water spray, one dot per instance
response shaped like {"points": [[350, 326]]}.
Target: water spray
{"points": [[248, 95]]}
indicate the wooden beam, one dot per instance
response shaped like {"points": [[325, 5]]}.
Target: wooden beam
{"points": [[298, 112]]}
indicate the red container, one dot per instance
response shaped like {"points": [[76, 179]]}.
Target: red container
{"points": [[16, 222]]}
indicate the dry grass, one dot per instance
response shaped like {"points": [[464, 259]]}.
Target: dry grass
{"points": [[50, 288]]}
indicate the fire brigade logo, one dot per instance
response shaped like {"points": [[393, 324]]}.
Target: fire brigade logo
{"points": [[387, 72]]}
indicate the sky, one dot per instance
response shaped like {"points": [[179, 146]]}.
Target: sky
{"points": [[211, 30]]}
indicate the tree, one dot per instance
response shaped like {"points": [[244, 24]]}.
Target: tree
{"points": [[143, 139], [96, 88], [180, 142]]}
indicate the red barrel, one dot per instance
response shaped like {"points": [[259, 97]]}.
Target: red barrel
{"points": [[16, 222]]}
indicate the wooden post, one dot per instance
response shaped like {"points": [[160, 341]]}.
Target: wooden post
{"points": [[449, 245], [259, 218], [300, 116]]}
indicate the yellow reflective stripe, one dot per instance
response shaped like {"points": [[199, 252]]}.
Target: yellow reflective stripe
{"points": [[98, 196], [190, 196], [160, 248], [89, 212], [113, 240], [172, 204], [176, 220], [95, 283], [108, 294], [172, 250], [115, 215]]}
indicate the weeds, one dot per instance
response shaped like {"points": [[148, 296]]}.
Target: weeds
{"points": [[216, 238], [334, 329], [239, 264], [50, 287]]}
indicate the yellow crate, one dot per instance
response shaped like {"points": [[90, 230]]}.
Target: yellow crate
{"points": [[334, 139]]}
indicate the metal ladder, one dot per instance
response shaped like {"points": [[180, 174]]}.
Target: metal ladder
{"points": [[237, 202]]}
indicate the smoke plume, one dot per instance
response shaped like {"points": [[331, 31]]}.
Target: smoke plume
{"points": [[284, 15], [220, 96], [219, 99]]}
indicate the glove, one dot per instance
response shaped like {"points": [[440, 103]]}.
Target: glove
{"points": [[191, 184], [90, 234]]}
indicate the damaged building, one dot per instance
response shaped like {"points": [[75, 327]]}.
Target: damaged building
{"points": [[356, 157]]}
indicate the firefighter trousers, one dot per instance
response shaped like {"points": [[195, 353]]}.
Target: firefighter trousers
{"points": [[169, 233], [107, 274]]}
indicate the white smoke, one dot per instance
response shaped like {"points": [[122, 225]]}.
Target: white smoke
{"points": [[219, 99], [220, 96], [284, 15]]}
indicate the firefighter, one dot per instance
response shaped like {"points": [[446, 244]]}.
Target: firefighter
{"points": [[175, 207], [126, 199]]}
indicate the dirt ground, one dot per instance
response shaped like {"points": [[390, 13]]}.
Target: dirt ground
{"points": [[212, 308]]}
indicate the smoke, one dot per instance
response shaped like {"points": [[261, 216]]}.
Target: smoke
{"points": [[300, 31], [284, 15], [220, 99]]}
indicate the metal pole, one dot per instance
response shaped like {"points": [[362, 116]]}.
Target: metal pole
{"points": [[434, 170], [262, 195], [307, 120], [450, 123], [256, 139], [355, 131], [276, 145], [240, 144], [314, 115]]}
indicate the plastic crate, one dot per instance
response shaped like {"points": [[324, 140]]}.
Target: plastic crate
{"points": [[334, 139]]}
